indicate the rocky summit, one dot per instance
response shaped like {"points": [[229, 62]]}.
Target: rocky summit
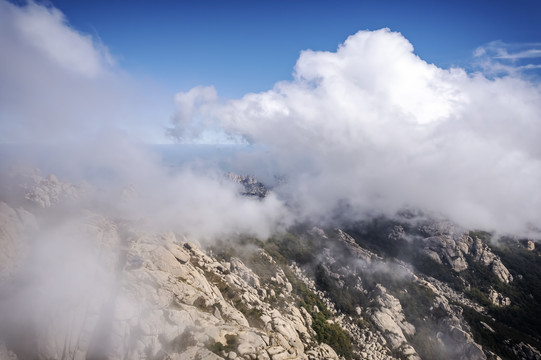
{"points": [[82, 284]]}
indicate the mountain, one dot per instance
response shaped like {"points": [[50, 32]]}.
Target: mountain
{"points": [[79, 283]]}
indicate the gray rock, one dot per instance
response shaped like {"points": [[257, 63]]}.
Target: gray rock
{"points": [[526, 351], [498, 299]]}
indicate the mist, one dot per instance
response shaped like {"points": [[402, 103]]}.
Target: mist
{"points": [[368, 129], [68, 109], [80, 180], [372, 128]]}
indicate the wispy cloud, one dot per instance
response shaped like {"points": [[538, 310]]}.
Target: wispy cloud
{"points": [[526, 54], [500, 58]]}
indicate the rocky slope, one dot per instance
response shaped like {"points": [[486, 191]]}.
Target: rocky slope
{"points": [[160, 297], [105, 287]]}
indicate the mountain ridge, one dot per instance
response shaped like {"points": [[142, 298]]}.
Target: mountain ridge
{"points": [[381, 288]]}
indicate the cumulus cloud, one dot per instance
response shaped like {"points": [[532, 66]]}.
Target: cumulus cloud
{"points": [[367, 128], [372, 127], [188, 126]]}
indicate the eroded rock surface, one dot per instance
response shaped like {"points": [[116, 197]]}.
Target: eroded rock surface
{"points": [[79, 284]]}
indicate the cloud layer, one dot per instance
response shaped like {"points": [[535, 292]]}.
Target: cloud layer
{"points": [[369, 128], [374, 128], [61, 88], [58, 84]]}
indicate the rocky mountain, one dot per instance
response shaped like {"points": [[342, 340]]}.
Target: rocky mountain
{"points": [[251, 186], [409, 287]]}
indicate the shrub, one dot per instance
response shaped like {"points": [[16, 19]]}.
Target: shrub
{"points": [[218, 348], [333, 335]]}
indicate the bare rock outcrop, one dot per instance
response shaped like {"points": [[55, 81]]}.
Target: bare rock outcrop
{"points": [[526, 351], [48, 191], [453, 250], [15, 226], [498, 299], [119, 290], [444, 248], [390, 320], [161, 298], [482, 254]]}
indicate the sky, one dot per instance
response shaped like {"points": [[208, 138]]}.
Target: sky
{"points": [[359, 108], [247, 46]]}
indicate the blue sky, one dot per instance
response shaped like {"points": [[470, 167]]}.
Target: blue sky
{"points": [[247, 46], [452, 126]]}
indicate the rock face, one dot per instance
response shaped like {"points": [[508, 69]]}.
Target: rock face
{"points": [[77, 284], [15, 224], [454, 251], [465, 345], [444, 248], [49, 190], [482, 254], [390, 319], [252, 186], [190, 306], [526, 351], [498, 299], [162, 298], [529, 244]]}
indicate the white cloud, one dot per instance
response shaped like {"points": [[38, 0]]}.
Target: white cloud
{"points": [[368, 128], [374, 128], [60, 85], [531, 53], [500, 58], [188, 126], [46, 30], [59, 88]]}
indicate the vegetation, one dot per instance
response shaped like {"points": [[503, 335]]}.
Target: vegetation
{"points": [[333, 335], [478, 296], [345, 298], [287, 247], [484, 236], [292, 247], [516, 323], [519, 322], [429, 267], [373, 235], [327, 332], [301, 250], [495, 341], [219, 349], [180, 343], [416, 303], [524, 291]]}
